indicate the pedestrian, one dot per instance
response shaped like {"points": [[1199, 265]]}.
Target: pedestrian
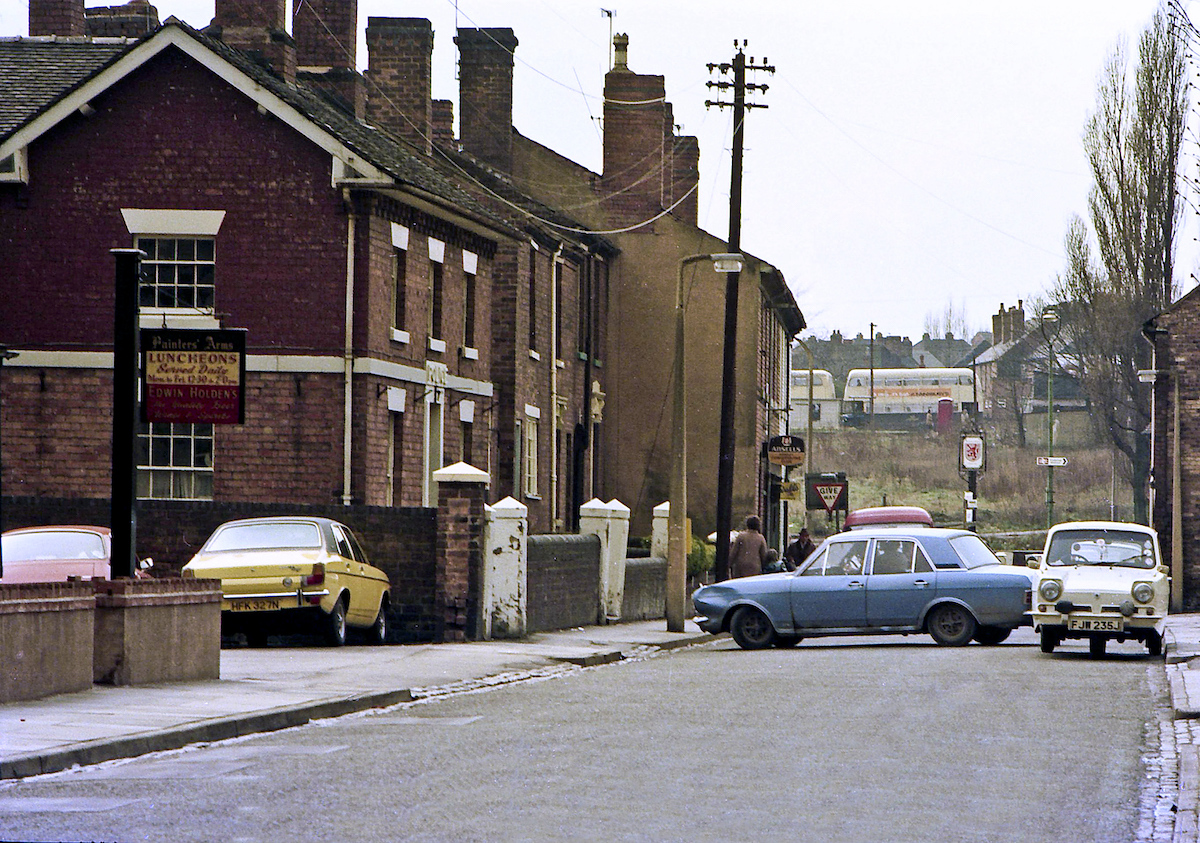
{"points": [[799, 550], [748, 550]]}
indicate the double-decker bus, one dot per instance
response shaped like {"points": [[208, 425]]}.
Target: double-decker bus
{"points": [[905, 398], [825, 407]]}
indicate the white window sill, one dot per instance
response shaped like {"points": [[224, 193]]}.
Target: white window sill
{"points": [[469, 353], [400, 336], [437, 345], [158, 317]]}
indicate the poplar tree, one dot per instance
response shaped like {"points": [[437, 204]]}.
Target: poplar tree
{"points": [[1121, 272]]}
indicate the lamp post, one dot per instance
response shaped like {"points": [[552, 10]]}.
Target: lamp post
{"points": [[678, 539], [1050, 316], [1150, 376], [808, 441]]}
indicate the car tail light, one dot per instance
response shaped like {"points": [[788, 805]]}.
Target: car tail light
{"points": [[318, 575]]}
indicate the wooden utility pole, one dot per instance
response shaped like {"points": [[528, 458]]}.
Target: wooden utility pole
{"points": [[739, 86]]}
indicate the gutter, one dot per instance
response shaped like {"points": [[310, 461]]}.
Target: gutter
{"points": [[348, 353]]}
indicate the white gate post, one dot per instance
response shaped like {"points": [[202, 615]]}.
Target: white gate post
{"points": [[505, 569]]}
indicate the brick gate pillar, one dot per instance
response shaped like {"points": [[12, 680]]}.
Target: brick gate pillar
{"points": [[458, 572]]}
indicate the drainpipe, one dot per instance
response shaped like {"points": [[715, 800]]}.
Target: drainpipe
{"points": [[554, 284], [348, 352]]}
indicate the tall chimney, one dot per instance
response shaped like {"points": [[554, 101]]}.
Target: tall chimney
{"points": [[636, 116], [998, 326], [399, 71], [56, 17], [485, 85], [258, 28], [326, 33]]}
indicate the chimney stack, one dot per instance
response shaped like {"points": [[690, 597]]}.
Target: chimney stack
{"points": [[638, 141], [326, 33], [485, 85], [133, 20], [443, 123], [258, 28], [399, 71], [56, 17]]}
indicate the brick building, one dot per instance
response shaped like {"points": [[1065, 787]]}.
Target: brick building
{"points": [[645, 202], [1175, 465], [410, 300], [362, 272]]}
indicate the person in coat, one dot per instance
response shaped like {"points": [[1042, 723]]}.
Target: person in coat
{"points": [[799, 550], [748, 550]]}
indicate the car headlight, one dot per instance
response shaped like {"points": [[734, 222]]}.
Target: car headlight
{"points": [[1143, 592], [1050, 590]]}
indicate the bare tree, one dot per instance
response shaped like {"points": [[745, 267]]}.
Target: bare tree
{"points": [[952, 321], [1133, 143]]}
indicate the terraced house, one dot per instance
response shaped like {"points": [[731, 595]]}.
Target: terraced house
{"points": [[411, 299]]}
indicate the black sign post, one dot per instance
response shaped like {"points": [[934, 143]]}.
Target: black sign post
{"points": [[123, 516]]}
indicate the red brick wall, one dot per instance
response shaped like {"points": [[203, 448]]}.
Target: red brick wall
{"points": [[56, 17], [326, 33], [634, 153]]}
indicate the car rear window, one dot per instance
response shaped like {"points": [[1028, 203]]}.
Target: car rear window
{"points": [[52, 544], [973, 552], [264, 537]]}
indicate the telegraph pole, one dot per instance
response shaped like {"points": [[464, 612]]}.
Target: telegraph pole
{"points": [[739, 86]]}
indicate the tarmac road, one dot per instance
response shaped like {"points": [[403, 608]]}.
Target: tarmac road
{"points": [[886, 739]]}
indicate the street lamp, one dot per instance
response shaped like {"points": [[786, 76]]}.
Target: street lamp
{"points": [[1050, 316], [678, 539], [808, 441], [1150, 376]]}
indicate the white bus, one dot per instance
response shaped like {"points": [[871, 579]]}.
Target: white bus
{"points": [[905, 398], [826, 409]]}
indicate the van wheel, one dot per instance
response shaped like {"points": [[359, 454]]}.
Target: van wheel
{"points": [[1096, 646], [335, 625], [1154, 643]]}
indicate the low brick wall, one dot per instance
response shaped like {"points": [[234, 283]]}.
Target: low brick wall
{"points": [[46, 639], [645, 589], [563, 582], [401, 541], [158, 630]]}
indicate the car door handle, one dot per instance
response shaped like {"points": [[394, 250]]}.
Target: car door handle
{"points": [[855, 584], [921, 583]]}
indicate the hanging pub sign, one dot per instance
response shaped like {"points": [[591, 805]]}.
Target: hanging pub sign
{"points": [[193, 375], [785, 450]]}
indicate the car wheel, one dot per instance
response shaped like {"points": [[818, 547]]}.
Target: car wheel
{"points": [[335, 625], [991, 635], [786, 641], [751, 629], [377, 634], [1154, 643], [951, 625], [1049, 640], [1096, 646]]}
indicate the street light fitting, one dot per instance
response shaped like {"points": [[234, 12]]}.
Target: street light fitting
{"points": [[728, 261], [1050, 315]]}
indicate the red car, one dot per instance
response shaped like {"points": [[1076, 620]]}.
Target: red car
{"points": [[52, 554], [888, 516]]}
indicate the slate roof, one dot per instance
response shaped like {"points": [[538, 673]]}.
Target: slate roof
{"points": [[37, 72]]}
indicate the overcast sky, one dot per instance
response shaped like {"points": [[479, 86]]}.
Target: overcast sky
{"points": [[914, 156]]}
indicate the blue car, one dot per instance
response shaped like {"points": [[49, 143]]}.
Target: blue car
{"points": [[947, 583]]}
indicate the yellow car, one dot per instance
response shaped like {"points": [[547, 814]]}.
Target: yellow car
{"points": [[291, 574]]}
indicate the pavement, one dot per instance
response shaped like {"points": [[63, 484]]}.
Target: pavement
{"points": [[261, 690]]}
